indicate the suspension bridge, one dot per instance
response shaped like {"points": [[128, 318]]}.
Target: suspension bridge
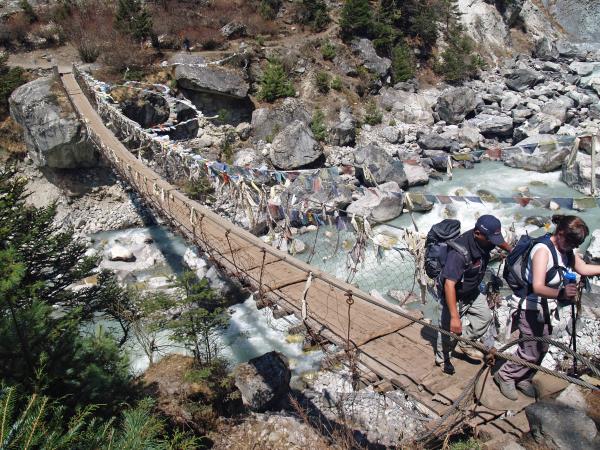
{"points": [[389, 347]]}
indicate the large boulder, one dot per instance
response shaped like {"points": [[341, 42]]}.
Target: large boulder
{"points": [[263, 381], [211, 79], [407, 107], [522, 79], [416, 174], [333, 192], [54, 135], [540, 153], [560, 427], [484, 24], [491, 125], [146, 108], [380, 166], [295, 147], [267, 122], [455, 104], [365, 51], [540, 124], [579, 176], [380, 204], [120, 253], [546, 50], [434, 141]]}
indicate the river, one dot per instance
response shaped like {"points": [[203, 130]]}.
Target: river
{"points": [[252, 332]]}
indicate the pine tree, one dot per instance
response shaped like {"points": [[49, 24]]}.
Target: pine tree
{"points": [[203, 316], [403, 63], [356, 19], [133, 18], [42, 344], [275, 83]]}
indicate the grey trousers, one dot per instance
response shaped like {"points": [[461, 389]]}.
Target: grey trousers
{"points": [[475, 317], [531, 323]]}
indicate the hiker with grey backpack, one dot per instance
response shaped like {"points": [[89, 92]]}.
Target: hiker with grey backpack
{"points": [[458, 265], [541, 272]]}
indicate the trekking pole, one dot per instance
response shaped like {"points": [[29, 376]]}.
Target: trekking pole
{"points": [[574, 317]]}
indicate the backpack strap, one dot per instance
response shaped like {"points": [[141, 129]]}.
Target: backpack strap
{"points": [[461, 251]]}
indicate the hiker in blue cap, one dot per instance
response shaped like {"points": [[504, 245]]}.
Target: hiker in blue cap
{"points": [[464, 311]]}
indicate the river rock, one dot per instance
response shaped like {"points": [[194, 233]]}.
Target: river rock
{"points": [[592, 254], [561, 427], [455, 104], [549, 155], [492, 125], [381, 165], [380, 204], [119, 253], [212, 79], [365, 51], [333, 193], [558, 108], [295, 147], [343, 133], [407, 107], [263, 381], [416, 175], [54, 136], [583, 69], [522, 79], [267, 122], [434, 141]]}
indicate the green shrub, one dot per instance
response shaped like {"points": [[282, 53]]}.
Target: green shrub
{"points": [[275, 82], [336, 83], [268, 9], [28, 10], [317, 125], [392, 123], [356, 19], [10, 79], [314, 13], [373, 116], [328, 51], [322, 81], [131, 17], [403, 63]]}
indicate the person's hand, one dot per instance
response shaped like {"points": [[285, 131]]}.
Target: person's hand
{"points": [[456, 325], [570, 291]]}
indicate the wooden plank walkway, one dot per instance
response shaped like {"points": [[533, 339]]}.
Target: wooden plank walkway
{"points": [[393, 347]]}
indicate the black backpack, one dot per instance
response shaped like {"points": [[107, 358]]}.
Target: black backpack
{"points": [[516, 264], [440, 238]]}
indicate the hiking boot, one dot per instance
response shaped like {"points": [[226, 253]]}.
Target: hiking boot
{"points": [[506, 387], [469, 351], [447, 366], [527, 388]]}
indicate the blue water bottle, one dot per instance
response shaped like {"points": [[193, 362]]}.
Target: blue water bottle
{"points": [[569, 278]]}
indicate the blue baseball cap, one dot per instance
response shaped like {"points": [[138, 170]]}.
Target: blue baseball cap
{"points": [[490, 227]]}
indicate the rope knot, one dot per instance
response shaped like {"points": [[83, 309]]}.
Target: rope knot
{"points": [[349, 298], [490, 356]]}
